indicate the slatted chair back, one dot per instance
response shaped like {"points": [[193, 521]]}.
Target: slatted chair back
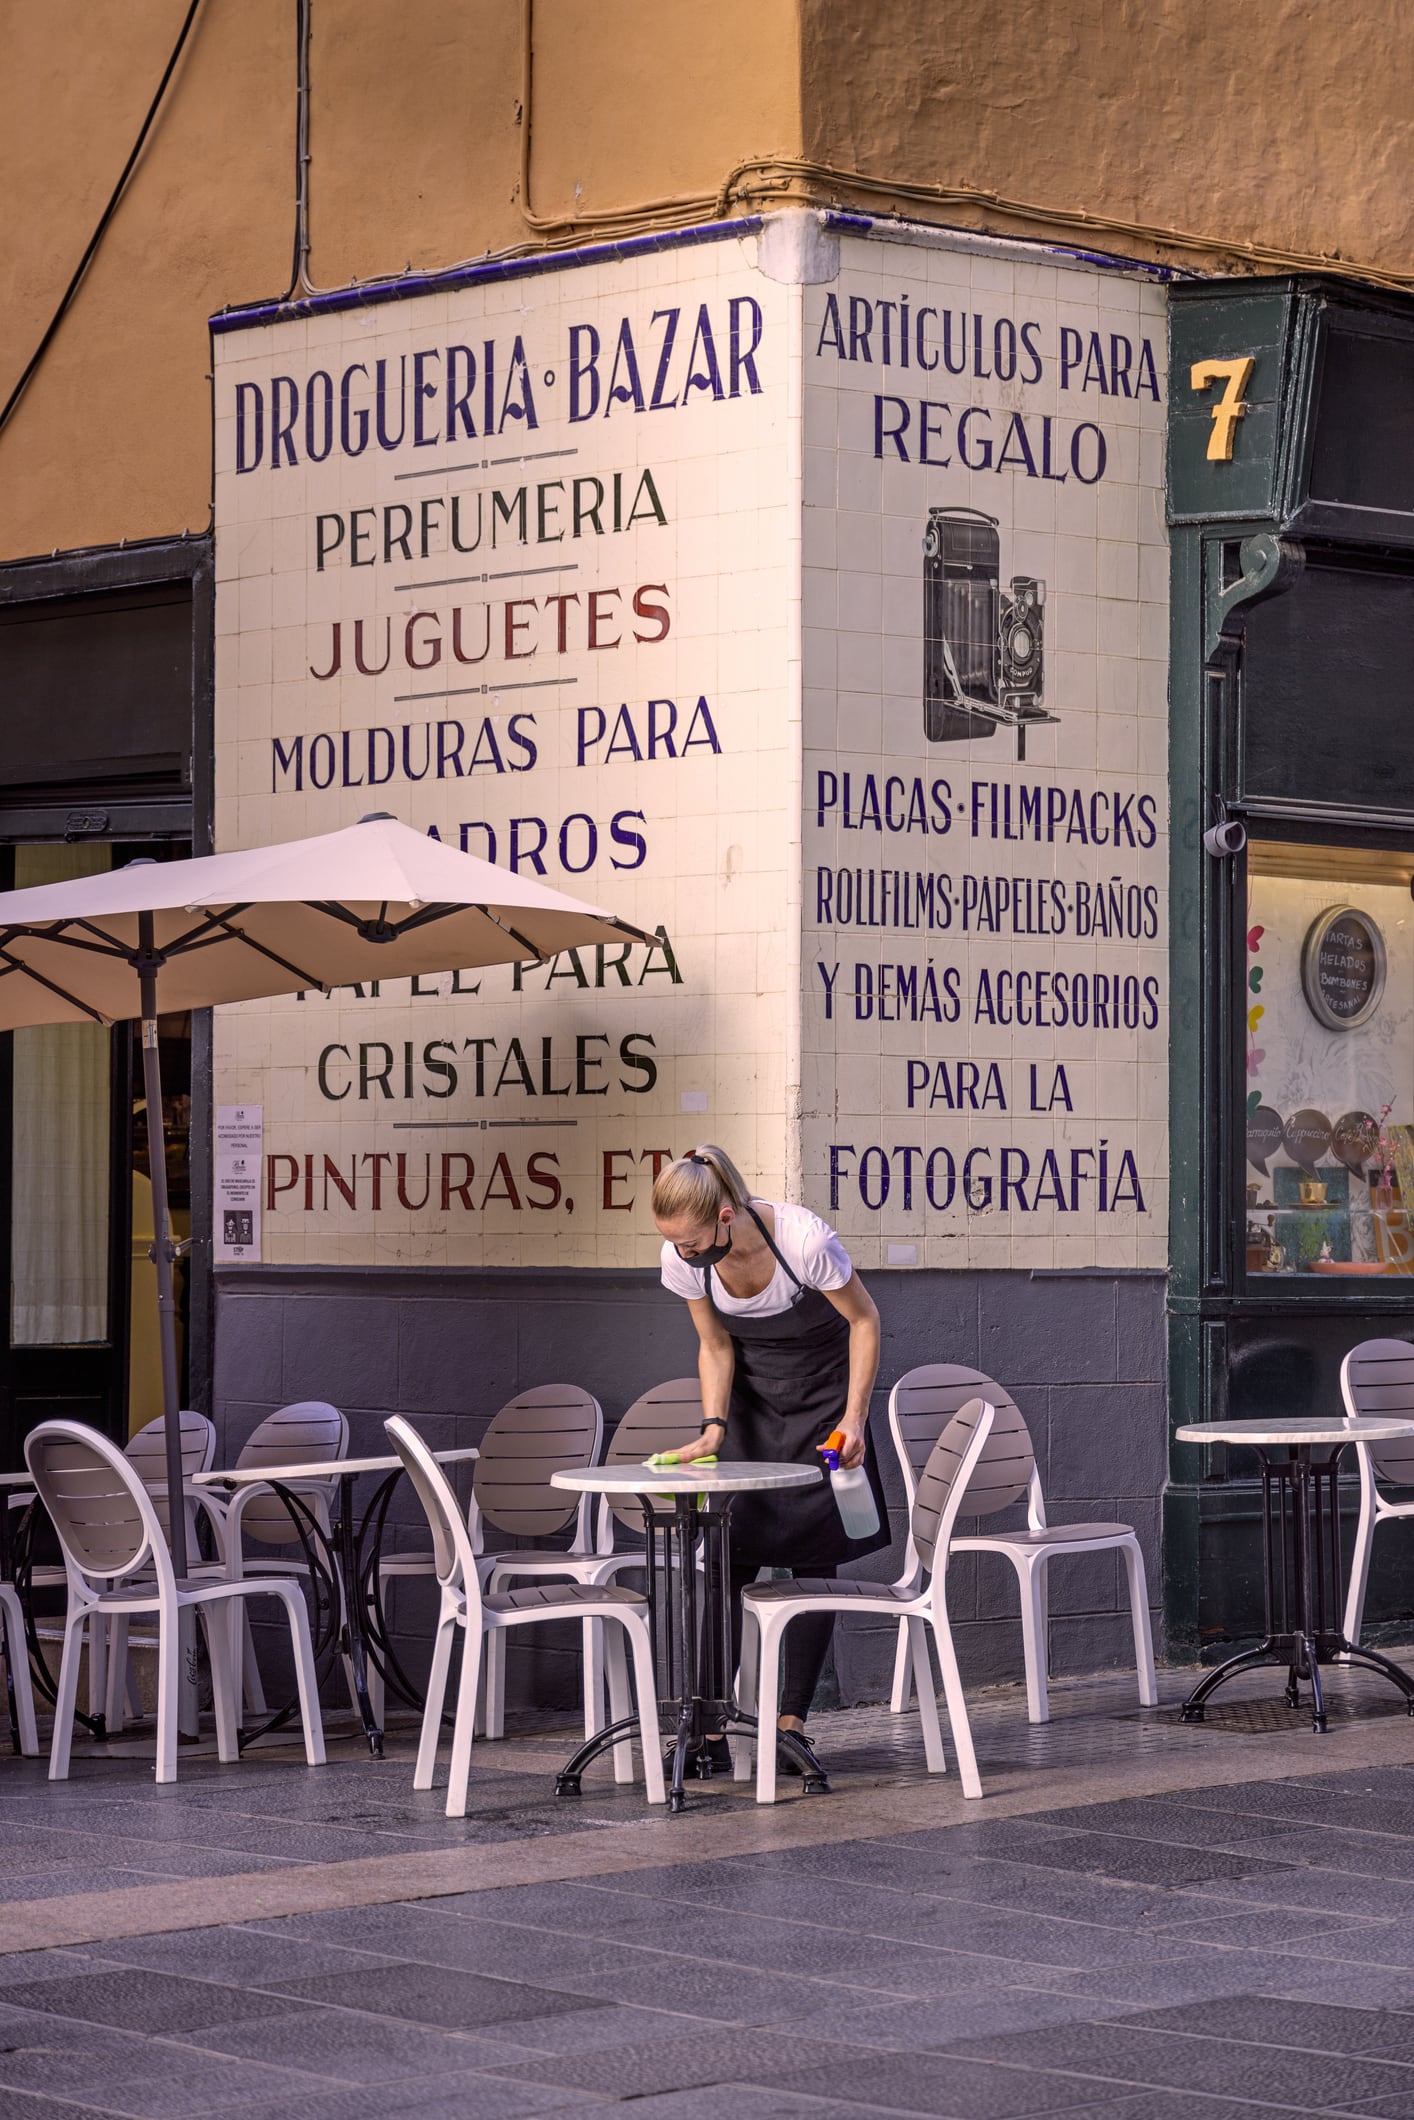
{"points": [[147, 1454], [922, 1403], [663, 1419], [452, 1556], [309, 1432], [1377, 1377], [96, 1502], [999, 1477], [553, 1428]]}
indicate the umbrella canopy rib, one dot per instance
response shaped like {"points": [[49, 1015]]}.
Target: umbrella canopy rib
{"points": [[309, 979], [17, 964]]}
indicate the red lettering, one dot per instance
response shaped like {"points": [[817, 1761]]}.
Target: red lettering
{"points": [[534, 1175], [516, 626], [501, 1169], [564, 598], [433, 644], [657, 614], [403, 1201], [599, 618], [613, 1177], [333, 1172], [271, 1188], [462, 1191]]}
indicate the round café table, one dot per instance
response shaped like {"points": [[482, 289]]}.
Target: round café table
{"points": [[343, 1564], [687, 1512], [1300, 1461]]}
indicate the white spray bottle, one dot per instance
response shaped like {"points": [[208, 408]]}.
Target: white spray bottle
{"points": [[854, 1497]]}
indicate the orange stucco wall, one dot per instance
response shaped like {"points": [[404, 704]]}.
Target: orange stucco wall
{"points": [[1281, 127]]}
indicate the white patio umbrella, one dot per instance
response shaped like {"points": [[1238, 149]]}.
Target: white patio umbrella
{"points": [[373, 901]]}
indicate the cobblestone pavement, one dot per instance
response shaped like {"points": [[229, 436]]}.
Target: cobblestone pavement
{"points": [[1142, 1919]]}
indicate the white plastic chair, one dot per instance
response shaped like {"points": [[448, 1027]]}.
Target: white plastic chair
{"points": [[1377, 1377], [118, 1565], [110, 1691], [920, 1406], [973, 1448], [309, 1431], [463, 1605], [146, 1452], [547, 1429]]}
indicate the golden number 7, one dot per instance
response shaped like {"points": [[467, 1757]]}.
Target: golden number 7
{"points": [[1230, 407]]}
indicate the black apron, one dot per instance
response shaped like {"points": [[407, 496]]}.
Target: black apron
{"points": [[789, 1390]]}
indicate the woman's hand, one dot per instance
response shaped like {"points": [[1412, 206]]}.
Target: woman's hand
{"points": [[852, 1449], [705, 1446]]}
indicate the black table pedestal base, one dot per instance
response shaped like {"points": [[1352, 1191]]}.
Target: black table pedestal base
{"points": [[689, 1754], [1301, 1586], [691, 1623]]}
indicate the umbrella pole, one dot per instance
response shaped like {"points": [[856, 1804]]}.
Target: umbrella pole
{"points": [[166, 1317]]}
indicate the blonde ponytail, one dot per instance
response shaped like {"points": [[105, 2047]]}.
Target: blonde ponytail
{"points": [[699, 1185]]}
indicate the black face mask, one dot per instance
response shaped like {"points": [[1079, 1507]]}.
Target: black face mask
{"points": [[713, 1256]]}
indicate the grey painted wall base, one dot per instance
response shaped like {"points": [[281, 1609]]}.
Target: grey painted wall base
{"points": [[1082, 1354]]}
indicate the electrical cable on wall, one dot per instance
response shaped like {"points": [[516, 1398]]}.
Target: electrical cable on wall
{"points": [[101, 230]]}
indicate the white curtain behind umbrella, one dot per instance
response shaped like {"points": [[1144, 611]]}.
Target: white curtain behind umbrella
{"points": [[59, 1215]]}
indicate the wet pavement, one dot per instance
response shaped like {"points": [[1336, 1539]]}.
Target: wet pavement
{"points": [[1141, 1919]]}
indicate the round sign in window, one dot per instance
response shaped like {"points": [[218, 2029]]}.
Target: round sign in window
{"points": [[1343, 968]]}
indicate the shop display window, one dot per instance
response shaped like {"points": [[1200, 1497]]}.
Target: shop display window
{"points": [[1327, 1004]]}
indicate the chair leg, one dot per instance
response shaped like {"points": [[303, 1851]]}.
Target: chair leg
{"points": [[594, 1678], [17, 1661], [746, 1691], [66, 1697], [768, 1703], [920, 1663], [616, 1671], [169, 1666], [1359, 1577], [1031, 1581], [903, 1670], [460, 1772], [247, 1665], [306, 1678], [956, 1700], [223, 1701], [645, 1680], [432, 1711], [495, 1715], [1143, 1638], [116, 1690], [97, 1665]]}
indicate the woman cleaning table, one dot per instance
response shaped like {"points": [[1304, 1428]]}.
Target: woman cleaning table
{"points": [[788, 1348]]}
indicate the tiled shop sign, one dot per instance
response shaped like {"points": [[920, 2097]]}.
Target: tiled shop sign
{"points": [[817, 630]]}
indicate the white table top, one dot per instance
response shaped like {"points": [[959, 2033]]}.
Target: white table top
{"points": [[323, 1469], [685, 1479], [16, 1479], [1302, 1429]]}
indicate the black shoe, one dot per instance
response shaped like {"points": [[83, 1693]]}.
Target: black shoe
{"points": [[713, 1756], [789, 1761]]}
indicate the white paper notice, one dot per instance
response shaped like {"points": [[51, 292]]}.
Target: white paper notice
{"points": [[240, 1143]]}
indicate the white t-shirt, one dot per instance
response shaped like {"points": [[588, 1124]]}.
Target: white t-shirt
{"points": [[809, 1246]]}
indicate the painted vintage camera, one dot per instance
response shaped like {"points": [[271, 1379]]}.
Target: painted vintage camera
{"points": [[983, 647]]}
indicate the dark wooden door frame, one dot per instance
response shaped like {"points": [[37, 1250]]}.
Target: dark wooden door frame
{"points": [[98, 571]]}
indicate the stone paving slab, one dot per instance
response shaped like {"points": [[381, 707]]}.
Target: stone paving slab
{"points": [[1140, 1922]]}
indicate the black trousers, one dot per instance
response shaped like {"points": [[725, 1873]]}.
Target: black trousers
{"points": [[805, 1647]]}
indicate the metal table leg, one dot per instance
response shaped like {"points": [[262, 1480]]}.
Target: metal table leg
{"points": [[1301, 1580], [692, 1651]]}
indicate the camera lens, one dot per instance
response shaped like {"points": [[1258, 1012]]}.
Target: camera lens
{"points": [[1021, 646]]}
